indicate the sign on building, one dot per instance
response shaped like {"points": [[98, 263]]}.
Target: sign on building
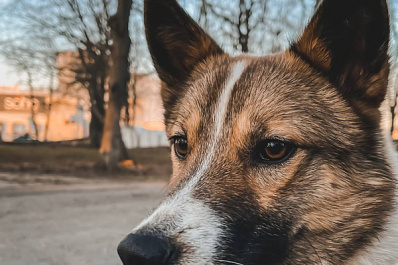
{"points": [[21, 103]]}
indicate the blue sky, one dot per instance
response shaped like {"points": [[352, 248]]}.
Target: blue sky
{"points": [[8, 75]]}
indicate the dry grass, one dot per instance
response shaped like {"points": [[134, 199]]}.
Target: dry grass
{"points": [[80, 161]]}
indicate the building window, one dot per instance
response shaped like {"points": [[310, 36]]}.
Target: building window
{"points": [[18, 129]]}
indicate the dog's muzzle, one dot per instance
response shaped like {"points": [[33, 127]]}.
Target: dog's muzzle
{"points": [[146, 249]]}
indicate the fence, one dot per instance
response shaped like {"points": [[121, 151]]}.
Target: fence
{"points": [[134, 137]]}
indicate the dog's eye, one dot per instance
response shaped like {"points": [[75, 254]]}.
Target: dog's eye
{"points": [[180, 147], [274, 151]]}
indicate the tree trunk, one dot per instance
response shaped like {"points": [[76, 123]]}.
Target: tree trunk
{"points": [[95, 129], [50, 103], [112, 146], [243, 26], [33, 105], [97, 114]]}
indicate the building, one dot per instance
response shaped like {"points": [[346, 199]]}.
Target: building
{"points": [[70, 109], [65, 121], [145, 127]]}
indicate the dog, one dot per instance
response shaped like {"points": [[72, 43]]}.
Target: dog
{"points": [[277, 159]]}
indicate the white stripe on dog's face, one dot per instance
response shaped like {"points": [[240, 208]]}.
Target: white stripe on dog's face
{"points": [[193, 223], [219, 118]]}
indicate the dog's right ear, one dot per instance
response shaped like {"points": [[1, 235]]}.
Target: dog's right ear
{"points": [[347, 41], [176, 43]]}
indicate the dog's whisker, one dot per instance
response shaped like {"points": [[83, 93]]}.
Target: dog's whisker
{"points": [[315, 251], [229, 261]]}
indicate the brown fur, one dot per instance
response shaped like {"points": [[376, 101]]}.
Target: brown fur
{"points": [[336, 204]]}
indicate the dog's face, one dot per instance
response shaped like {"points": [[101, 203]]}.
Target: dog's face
{"points": [[276, 159]]}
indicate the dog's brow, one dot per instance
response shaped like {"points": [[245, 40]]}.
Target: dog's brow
{"points": [[224, 97], [219, 117]]}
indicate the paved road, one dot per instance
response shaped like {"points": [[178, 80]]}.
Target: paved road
{"points": [[71, 224]]}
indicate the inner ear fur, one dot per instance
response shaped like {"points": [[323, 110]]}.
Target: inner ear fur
{"points": [[347, 41], [176, 43]]}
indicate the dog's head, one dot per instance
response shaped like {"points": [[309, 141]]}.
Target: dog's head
{"points": [[276, 159]]}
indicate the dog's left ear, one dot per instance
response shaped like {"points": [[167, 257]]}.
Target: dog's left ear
{"points": [[176, 43], [347, 40]]}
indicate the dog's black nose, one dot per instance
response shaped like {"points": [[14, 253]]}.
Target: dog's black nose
{"points": [[145, 249]]}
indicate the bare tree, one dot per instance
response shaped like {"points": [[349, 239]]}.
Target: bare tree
{"points": [[50, 103], [241, 25], [29, 63], [84, 25], [255, 26], [32, 98], [112, 145], [77, 25]]}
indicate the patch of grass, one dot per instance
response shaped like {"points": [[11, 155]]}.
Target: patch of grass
{"points": [[80, 161], [46, 153]]}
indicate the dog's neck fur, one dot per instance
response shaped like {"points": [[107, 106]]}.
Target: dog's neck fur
{"points": [[384, 250]]}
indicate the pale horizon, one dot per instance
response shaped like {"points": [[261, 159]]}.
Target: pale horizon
{"points": [[8, 75]]}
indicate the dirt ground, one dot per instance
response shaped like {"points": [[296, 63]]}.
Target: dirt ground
{"points": [[52, 220]]}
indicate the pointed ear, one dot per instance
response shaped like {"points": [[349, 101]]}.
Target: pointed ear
{"points": [[176, 42], [347, 40]]}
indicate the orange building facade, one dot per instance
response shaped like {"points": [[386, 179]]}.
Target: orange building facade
{"points": [[66, 119], [69, 115]]}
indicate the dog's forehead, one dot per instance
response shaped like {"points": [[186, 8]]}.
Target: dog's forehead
{"points": [[276, 95]]}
